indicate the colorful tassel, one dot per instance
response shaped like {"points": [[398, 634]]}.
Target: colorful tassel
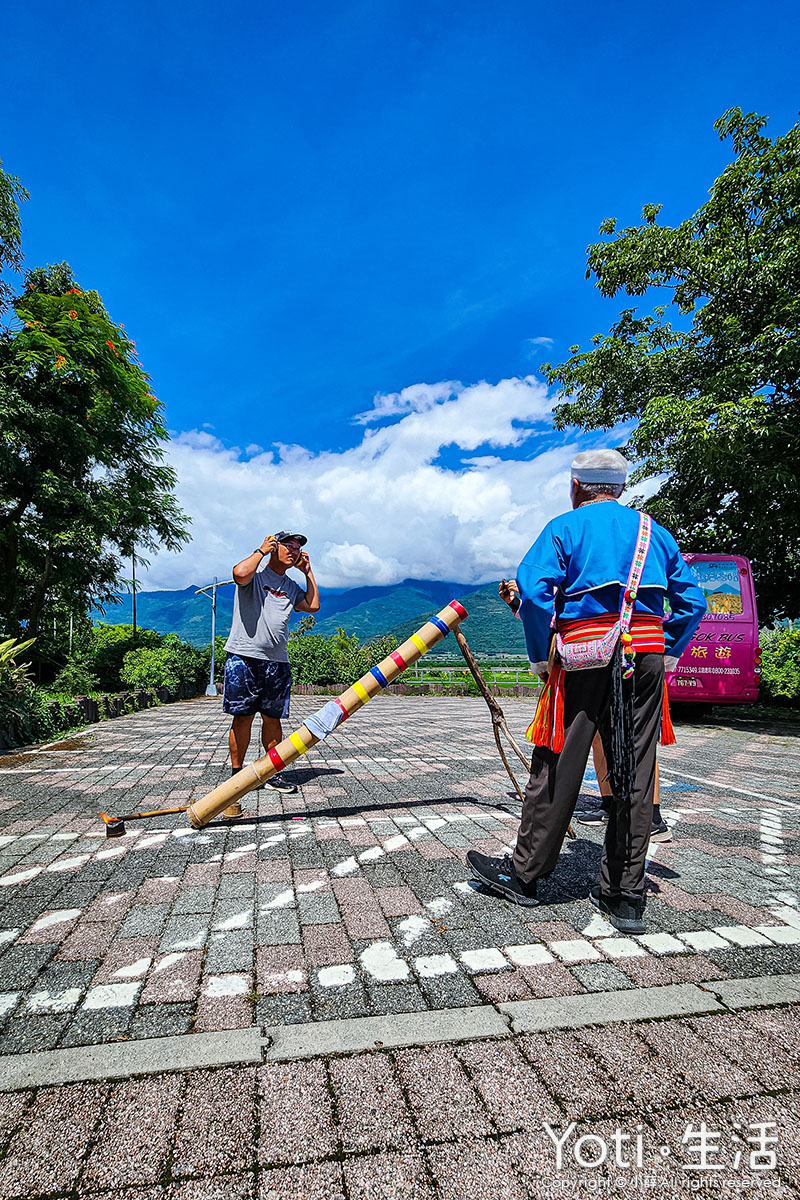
{"points": [[667, 732], [547, 727]]}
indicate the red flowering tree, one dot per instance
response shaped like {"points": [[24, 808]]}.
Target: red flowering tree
{"points": [[82, 437]]}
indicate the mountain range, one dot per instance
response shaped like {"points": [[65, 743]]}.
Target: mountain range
{"points": [[371, 611]]}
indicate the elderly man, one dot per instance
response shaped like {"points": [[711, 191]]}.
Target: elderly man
{"points": [[258, 676], [582, 563]]}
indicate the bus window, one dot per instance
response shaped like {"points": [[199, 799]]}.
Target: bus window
{"points": [[721, 585]]}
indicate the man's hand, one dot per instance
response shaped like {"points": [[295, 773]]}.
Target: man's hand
{"points": [[509, 592], [303, 564], [269, 545]]}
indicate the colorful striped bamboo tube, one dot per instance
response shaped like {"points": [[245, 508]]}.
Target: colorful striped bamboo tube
{"points": [[301, 741]]}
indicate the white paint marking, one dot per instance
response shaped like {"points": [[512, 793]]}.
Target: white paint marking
{"points": [[371, 854], [574, 950], [169, 960], [782, 935], [490, 959], [133, 970], [381, 961], [41, 1002], [741, 935], [282, 900], [530, 955], [111, 995], [217, 986], [346, 867], [620, 947], [336, 976], [155, 839], [597, 927], [20, 876], [59, 917], [433, 965], [69, 864], [439, 906], [704, 939], [412, 929], [395, 843], [723, 787], [7, 1001], [237, 921]]}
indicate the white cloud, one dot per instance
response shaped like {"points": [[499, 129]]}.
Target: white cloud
{"points": [[422, 496]]}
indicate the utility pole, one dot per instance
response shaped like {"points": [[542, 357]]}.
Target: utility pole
{"points": [[211, 690], [133, 584]]}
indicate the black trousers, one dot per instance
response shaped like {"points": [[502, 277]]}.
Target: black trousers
{"points": [[555, 781]]}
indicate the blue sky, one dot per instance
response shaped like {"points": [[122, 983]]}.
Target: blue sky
{"points": [[295, 208]]}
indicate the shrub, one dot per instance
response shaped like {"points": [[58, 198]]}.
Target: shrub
{"points": [[75, 679], [780, 663], [354, 660], [110, 644], [173, 664], [337, 659], [313, 659]]}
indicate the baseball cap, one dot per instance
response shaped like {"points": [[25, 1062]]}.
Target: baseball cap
{"points": [[286, 536]]}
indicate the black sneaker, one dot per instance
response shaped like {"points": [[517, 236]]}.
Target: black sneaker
{"points": [[278, 784], [660, 832], [597, 816], [500, 876], [624, 915]]}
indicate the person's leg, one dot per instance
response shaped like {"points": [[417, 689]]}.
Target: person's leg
{"points": [[275, 696], [598, 816], [240, 700], [601, 766], [630, 825], [271, 732], [239, 739], [555, 779]]}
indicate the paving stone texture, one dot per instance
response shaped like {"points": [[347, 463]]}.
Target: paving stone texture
{"points": [[352, 898]]}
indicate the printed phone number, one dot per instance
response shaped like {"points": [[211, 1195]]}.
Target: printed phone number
{"points": [[712, 670]]}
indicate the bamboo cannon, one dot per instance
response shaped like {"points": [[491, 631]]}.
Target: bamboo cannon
{"points": [[328, 718]]}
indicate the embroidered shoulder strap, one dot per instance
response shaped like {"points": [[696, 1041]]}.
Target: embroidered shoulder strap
{"points": [[629, 595]]}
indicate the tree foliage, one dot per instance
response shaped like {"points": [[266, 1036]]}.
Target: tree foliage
{"points": [[339, 658], [12, 194], [82, 474], [711, 375]]}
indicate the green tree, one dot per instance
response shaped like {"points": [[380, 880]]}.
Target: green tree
{"points": [[82, 471], [109, 646], [172, 664], [12, 194], [711, 375]]}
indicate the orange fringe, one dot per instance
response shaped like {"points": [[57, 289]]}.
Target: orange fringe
{"points": [[667, 732], [547, 727]]}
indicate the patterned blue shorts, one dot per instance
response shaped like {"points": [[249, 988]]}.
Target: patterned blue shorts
{"points": [[253, 685]]}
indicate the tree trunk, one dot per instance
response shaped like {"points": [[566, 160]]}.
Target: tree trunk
{"points": [[39, 595]]}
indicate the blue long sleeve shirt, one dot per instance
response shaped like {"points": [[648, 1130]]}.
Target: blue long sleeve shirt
{"points": [[581, 560]]}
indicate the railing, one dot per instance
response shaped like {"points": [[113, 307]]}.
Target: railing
{"points": [[490, 674]]}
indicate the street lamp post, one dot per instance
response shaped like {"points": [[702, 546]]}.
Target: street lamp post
{"points": [[211, 690]]}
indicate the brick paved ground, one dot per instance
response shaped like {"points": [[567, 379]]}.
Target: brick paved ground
{"points": [[352, 898]]}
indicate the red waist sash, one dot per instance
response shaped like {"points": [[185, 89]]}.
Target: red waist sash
{"points": [[647, 631]]}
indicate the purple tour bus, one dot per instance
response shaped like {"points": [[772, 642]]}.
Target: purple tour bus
{"points": [[722, 663]]}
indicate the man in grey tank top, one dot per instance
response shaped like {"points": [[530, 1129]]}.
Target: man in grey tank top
{"points": [[258, 677]]}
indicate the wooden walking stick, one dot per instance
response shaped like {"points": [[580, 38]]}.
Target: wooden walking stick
{"points": [[498, 717], [322, 723]]}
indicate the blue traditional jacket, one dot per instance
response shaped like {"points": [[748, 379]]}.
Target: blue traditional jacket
{"points": [[581, 561]]}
